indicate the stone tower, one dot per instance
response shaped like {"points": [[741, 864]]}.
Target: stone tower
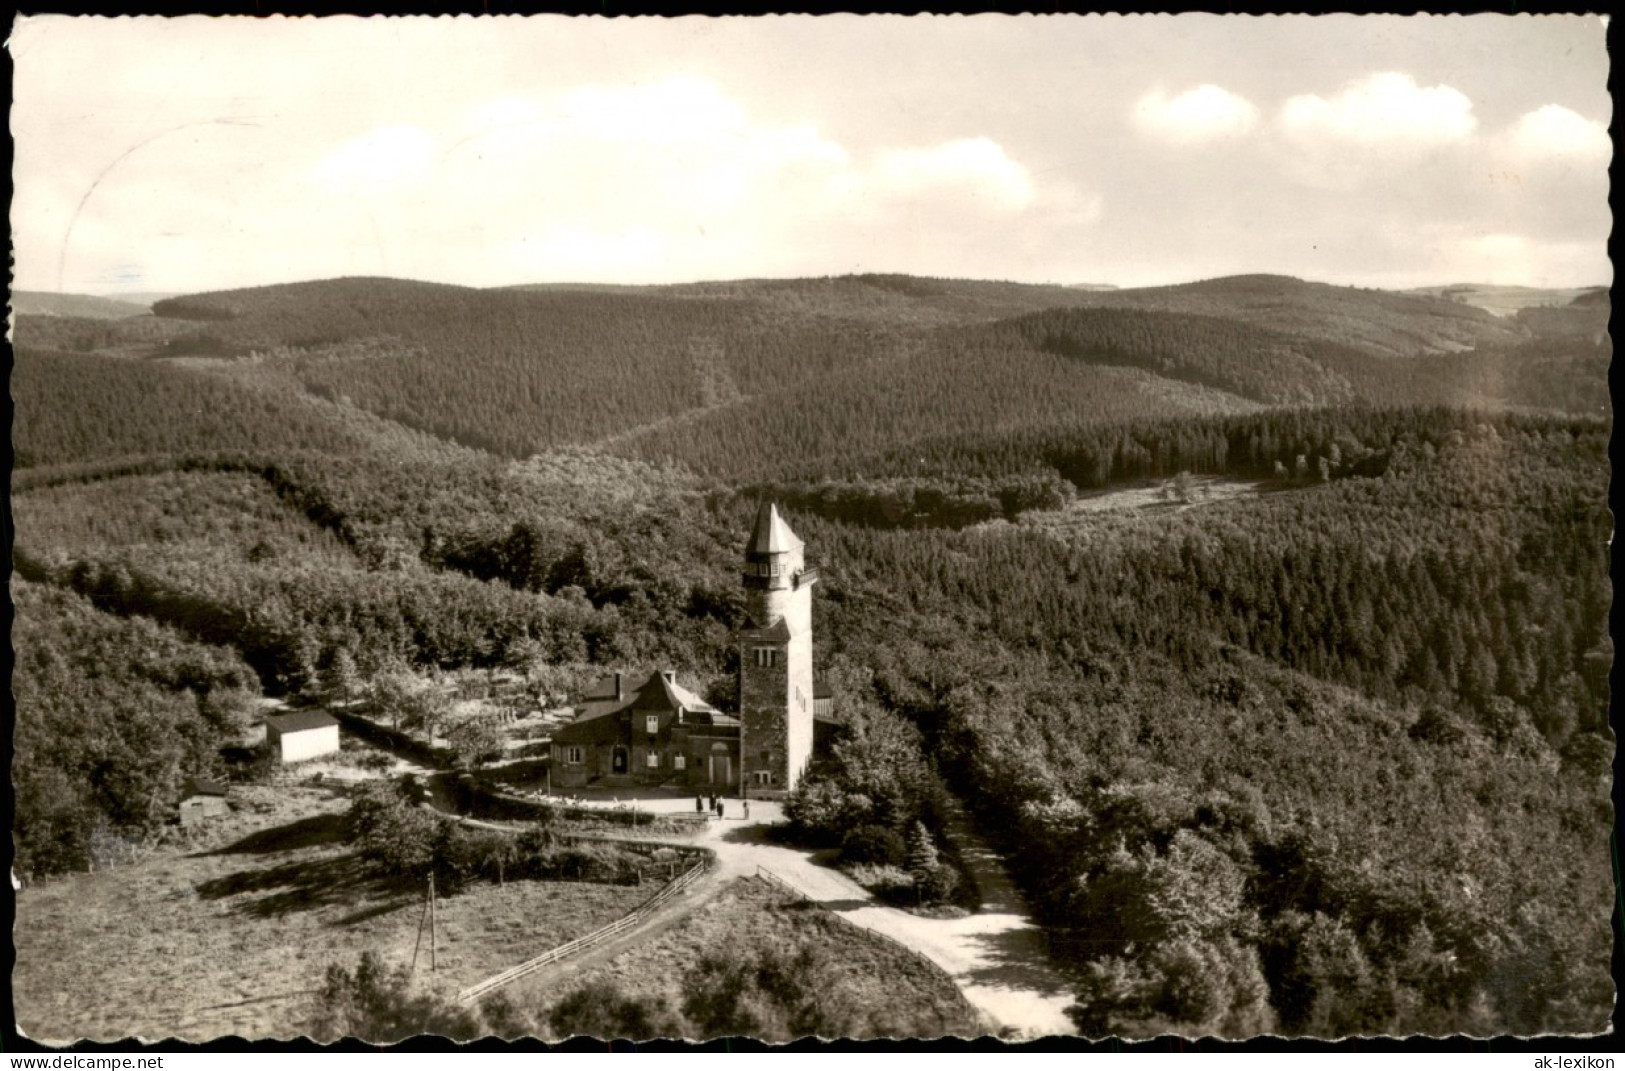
{"points": [[775, 658]]}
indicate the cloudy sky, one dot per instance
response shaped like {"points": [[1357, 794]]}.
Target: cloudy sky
{"points": [[198, 154]]}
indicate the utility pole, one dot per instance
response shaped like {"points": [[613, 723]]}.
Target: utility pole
{"points": [[433, 956], [421, 920]]}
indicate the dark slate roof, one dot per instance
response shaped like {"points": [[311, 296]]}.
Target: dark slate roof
{"points": [[771, 535], [778, 632], [200, 786], [298, 721], [653, 693]]}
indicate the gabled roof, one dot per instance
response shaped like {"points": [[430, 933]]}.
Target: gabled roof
{"points": [[298, 721], [653, 693], [771, 535]]}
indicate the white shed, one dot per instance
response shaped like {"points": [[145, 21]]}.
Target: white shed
{"points": [[302, 734], [203, 799]]}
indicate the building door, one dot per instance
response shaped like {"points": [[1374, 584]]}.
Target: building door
{"points": [[617, 761], [722, 769]]}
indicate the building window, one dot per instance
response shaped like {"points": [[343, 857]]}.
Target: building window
{"points": [[574, 755], [766, 657], [653, 760], [679, 762], [778, 570], [764, 777], [652, 722]]}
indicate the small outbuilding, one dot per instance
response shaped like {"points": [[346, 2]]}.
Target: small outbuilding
{"points": [[203, 800], [302, 734]]}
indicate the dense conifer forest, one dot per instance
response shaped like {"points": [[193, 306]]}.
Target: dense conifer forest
{"points": [[1325, 753]]}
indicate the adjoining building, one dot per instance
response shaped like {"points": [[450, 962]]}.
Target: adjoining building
{"points": [[646, 731], [302, 734], [631, 730]]}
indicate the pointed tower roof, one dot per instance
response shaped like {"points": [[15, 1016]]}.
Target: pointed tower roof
{"points": [[771, 535]]}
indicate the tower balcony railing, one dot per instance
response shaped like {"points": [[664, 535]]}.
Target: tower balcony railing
{"points": [[799, 579]]}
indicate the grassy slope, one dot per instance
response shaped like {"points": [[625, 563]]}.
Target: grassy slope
{"points": [[192, 945], [901, 995]]}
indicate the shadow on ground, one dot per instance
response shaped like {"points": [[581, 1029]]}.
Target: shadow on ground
{"points": [[310, 832], [305, 885], [1018, 959]]}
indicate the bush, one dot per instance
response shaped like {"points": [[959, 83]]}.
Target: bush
{"points": [[599, 1009], [767, 993], [379, 1004], [892, 884], [873, 844]]}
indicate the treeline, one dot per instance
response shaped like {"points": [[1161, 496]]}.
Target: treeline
{"points": [[911, 393], [915, 503], [73, 407], [1226, 354], [1374, 321], [1352, 441]]}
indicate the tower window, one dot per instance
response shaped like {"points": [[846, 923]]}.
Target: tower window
{"points": [[766, 657], [653, 760], [652, 722]]}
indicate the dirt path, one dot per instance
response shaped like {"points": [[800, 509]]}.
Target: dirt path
{"points": [[996, 956]]}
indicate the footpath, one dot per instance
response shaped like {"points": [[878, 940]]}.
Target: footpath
{"points": [[996, 956]]}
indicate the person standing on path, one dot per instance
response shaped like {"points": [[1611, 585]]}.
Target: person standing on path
{"points": [[747, 810]]}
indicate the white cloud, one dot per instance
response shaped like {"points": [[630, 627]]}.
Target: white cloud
{"points": [[1387, 107], [1555, 132], [664, 179], [976, 168], [1202, 114], [387, 154], [1520, 260]]}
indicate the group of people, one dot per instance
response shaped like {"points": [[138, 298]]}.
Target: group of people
{"points": [[719, 806]]}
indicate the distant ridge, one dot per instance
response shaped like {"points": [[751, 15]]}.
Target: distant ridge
{"points": [[84, 306], [1509, 300]]}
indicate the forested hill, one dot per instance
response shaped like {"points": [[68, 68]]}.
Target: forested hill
{"points": [[1299, 727], [751, 378], [1377, 321]]}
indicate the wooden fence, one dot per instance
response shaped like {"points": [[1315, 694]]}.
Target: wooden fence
{"points": [[672, 888]]}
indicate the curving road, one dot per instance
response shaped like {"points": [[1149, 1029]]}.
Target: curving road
{"points": [[996, 956]]}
